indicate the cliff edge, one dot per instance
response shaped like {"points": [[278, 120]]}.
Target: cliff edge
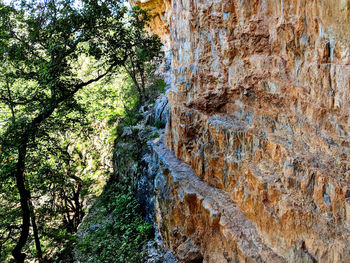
{"points": [[260, 111]]}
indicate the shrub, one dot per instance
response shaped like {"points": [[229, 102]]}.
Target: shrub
{"points": [[121, 234]]}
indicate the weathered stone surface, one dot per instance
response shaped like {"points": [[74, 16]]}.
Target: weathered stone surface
{"points": [[161, 110], [260, 109], [159, 24], [200, 223]]}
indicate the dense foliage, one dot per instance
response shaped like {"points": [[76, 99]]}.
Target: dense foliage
{"points": [[57, 62], [116, 231]]}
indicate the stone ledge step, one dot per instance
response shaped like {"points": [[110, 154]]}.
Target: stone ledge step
{"points": [[223, 212]]}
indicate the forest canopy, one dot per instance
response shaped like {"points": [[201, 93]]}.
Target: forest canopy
{"points": [[59, 62]]}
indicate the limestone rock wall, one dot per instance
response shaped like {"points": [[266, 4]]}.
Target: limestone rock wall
{"points": [[199, 222], [260, 110]]}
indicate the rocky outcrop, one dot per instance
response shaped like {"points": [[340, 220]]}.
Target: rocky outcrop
{"points": [[200, 222], [158, 24], [260, 110]]}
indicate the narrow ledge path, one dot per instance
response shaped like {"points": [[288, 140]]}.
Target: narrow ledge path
{"points": [[232, 226]]}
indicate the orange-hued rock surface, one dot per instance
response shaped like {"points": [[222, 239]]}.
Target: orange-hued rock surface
{"points": [[199, 222], [260, 110], [159, 24]]}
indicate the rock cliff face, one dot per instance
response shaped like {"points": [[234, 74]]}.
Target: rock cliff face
{"points": [[260, 111]]}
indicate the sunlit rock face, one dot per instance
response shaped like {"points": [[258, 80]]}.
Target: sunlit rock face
{"points": [[260, 110], [199, 222], [159, 24]]}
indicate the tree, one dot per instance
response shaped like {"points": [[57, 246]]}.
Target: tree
{"points": [[40, 43], [140, 63]]}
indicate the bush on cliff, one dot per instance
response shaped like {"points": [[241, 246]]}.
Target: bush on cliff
{"points": [[114, 231]]}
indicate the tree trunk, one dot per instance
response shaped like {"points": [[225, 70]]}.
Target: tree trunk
{"points": [[32, 128], [39, 253], [24, 198], [79, 214]]}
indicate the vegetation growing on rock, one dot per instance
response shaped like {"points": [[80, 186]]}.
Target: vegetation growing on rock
{"points": [[114, 230]]}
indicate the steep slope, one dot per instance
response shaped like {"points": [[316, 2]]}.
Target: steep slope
{"points": [[260, 110]]}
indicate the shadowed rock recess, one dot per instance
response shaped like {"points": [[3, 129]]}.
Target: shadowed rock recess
{"points": [[259, 121]]}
